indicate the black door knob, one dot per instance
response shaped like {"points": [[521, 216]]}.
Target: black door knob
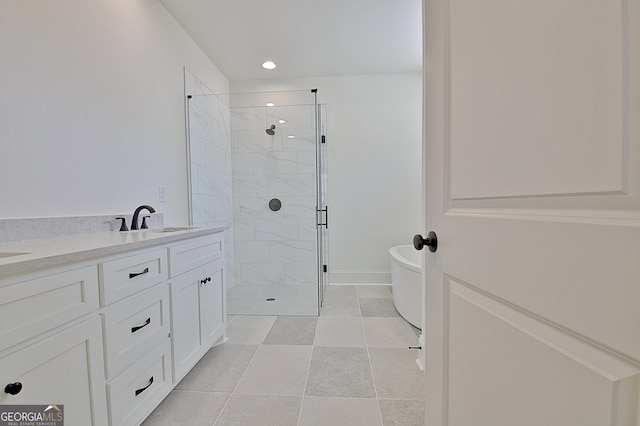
{"points": [[431, 241], [13, 388]]}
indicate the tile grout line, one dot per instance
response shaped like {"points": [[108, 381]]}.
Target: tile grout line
{"points": [[223, 408], [254, 355], [306, 380], [229, 321], [366, 341], [232, 393]]}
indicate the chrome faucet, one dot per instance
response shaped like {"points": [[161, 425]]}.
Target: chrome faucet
{"points": [[134, 220]]}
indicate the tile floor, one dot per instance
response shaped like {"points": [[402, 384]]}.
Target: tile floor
{"points": [[350, 366]]}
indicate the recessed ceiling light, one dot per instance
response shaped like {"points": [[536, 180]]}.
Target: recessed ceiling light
{"points": [[291, 136], [270, 104], [282, 121], [268, 65]]}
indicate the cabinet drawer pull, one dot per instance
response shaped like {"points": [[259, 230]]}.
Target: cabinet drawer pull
{"points": [[139, 391], [146, 270], [13, 388], [138, 327]]}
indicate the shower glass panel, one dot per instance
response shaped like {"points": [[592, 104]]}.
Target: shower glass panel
{"points": [[277, 203], [209, 163]]}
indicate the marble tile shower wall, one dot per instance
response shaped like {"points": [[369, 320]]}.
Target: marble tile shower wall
{"points": [[210, 163], [274, 247]]}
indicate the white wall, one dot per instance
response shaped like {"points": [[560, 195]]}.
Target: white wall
{"points": [[374, 132], [92, 115]]}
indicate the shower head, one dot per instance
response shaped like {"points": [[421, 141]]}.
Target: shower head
{"points": [[270, 131]]}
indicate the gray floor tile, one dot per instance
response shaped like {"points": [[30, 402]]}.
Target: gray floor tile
{"points": [[340, 372], [389, 332], [339, 291], [378, 308], [373, 291], [341, 307], [220, 369], [396, 374], [254, 410], [249, 330], [292, 330], [276, 370], [346, 361], [337, 331], [398, 412], [339, 411], [200, 408]]}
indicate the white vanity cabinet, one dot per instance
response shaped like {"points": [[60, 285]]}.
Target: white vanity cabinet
{"points": [[109, 333], [136, 322], [51, 346], [198, 307], [163, 309], [138, 354]]}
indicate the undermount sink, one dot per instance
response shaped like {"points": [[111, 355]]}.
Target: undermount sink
{"points": [[174, 228], [5, 254]]}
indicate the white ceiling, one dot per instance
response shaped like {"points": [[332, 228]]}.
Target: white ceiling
{"points": [[305, 38]]}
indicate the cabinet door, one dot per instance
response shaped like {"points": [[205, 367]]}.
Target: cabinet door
{"points": [[66, 368], [185, 322], [211, 303]]}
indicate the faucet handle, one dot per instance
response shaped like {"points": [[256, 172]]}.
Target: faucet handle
{"points": [[144, 222], [123, 225]]}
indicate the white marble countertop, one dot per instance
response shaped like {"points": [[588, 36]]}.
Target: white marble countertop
{"points": [[55, 251]]}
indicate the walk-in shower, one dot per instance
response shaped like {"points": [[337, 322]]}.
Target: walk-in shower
{"points": [[278, 196], [279, 202]]}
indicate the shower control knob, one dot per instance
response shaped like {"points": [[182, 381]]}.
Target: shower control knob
{"points": [[431, 241]]}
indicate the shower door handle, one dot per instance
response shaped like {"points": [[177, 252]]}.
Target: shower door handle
{"points": [[319, 217], [326, 217], [419, 242]]}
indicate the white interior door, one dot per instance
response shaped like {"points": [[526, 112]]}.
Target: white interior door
{"points": [[532, 158]]}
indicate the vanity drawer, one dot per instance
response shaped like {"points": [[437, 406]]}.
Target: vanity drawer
{"points": [[30, 307], [128, 275], [140, 388], [196, 252], [136, 326]]}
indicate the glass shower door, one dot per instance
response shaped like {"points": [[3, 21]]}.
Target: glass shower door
{"points": [[274, 139], [322, 208]]}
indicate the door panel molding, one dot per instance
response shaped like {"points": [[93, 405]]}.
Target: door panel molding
{"points": [[600, 386], [624, 218], [609, 173]]}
